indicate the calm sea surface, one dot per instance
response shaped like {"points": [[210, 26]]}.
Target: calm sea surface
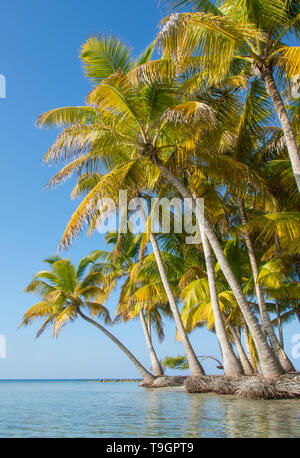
{"points": [[114, 410]]}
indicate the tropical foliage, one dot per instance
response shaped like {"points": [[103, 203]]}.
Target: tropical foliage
{"points": [[199, 122]]}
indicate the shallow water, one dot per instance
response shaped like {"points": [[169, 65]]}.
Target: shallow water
{"points": [[115, 410]]}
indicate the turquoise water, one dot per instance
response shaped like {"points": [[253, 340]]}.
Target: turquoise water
{"points": [[115, 410]]}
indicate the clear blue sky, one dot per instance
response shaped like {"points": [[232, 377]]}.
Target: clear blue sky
{"points": [[39, 57]]}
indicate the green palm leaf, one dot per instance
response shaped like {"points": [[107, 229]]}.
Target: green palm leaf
{"points": [[102, 56]]}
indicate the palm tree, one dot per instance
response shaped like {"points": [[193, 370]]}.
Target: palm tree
{"points": [[215, 40], [156, 366], [232, 366], [66, 293], [281, 285], [119, 184], [198, 305], [249, 133], [118, 265], [109, 134], [250, 350], [266, 322], [133, 130], [270, 364], [194, 364]]}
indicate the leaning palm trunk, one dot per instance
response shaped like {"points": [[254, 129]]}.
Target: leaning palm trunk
{"points": [[279, 323], [231, 364], [269, 363], [149, 327], [297, 307], [248, 347], [247, 367], [194, 364], [156, 367], [272, 91], [265, 318], [147, 376]]}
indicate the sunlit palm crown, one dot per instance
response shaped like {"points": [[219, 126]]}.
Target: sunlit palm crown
{"points": [[202, 111], [130, 120], [64, 290], [217, 38]]}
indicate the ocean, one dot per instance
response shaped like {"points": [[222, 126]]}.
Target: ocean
{"points": [[84, 408]]}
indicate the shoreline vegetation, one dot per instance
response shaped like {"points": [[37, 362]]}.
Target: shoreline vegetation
{"points": [[286, 386], [193, 124], [112, 380]]}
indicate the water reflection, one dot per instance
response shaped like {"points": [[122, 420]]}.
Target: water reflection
{"points": [[230, 416], [175, 414], [74, 409], [206, 416], [261, 418]]}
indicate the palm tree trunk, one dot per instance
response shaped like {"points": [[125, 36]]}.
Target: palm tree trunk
{"points": [[194, 364], [259, 295], [297, 307], [269, 363], [272, 91], [147, 376], [231, 363], [248, 348], [248, 369], [149, 327], [279, 322], [156, 367], [265, 318]]}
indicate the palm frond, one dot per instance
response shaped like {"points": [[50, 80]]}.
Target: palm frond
{"points": [[190, 112], [75, 166], [65, 274], [288, 58], [66, 115], [102, 56], [99, 310], [108, 187], [206, 6], [115, 95], [39, 310], [68, 314], [144, 57]]}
